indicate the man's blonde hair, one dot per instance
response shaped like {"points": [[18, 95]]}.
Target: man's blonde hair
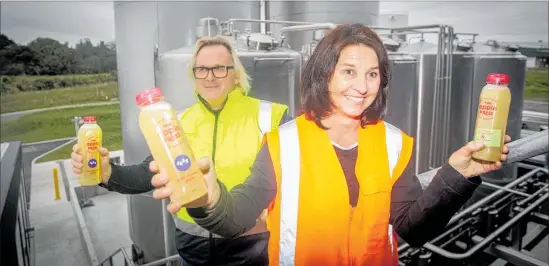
{"points": [[242, 77]]}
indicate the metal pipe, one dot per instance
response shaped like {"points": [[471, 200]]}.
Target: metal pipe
{"points": [[316, 26], [530, 146], [163, 261], [434, 115], [484, 183], [448, 90], [417, 27], [490, 237], [232, 21], [266, 21], [484, 200], [256, 59], [521, 149]]}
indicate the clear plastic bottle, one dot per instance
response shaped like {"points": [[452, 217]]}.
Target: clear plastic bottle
{"points": [[492, 115], [90, 139], [173, 155]]}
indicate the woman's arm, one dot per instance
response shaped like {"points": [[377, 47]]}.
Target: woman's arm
{"points": [[131, 179], [419, 215], [237, 211]]}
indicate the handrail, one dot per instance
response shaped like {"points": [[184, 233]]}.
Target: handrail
{"points": [[127, 260]]}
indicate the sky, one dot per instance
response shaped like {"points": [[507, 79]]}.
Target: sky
{"points": [[70, 21]]}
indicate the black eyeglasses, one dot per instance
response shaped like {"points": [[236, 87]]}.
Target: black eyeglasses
{"points": [[217, 71]]}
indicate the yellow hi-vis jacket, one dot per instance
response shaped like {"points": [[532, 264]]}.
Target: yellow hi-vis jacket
{"points": [[231, 137]]}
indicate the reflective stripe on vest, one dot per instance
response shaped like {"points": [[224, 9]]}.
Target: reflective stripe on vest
{"points": [[290, 179], [264, 120]]}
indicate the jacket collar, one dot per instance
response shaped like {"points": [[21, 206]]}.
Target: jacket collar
{"points": [[233, 96]]}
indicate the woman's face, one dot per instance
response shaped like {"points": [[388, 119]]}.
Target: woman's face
{"points": [[213, 79], [355, 82]]}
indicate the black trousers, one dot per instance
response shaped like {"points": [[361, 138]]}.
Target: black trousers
{"points": [[201, 251]]}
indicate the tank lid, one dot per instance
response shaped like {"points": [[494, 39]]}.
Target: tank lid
{"points": [[208, 21], [391, 44], [497, 78], [207, 27], [258, 41]]}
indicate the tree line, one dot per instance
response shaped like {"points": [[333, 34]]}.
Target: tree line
{"points": [[48, 57]]}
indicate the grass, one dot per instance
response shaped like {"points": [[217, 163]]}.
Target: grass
{"points": [[21, 101], [537, 84], [57, 124]]}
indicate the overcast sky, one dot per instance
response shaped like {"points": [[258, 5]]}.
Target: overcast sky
{"points": [[71, 21]]}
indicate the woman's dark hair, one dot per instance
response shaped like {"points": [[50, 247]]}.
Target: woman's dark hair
{"points": [[320, 68]]}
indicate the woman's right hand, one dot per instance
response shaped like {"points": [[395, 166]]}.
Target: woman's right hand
{"points": [[160, 180], [77, 163]]}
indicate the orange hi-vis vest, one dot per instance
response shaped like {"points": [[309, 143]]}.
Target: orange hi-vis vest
{"points": [[310, 220]]}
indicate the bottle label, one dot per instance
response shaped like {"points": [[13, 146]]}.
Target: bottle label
{"points": [[490, 137], [93, 153], [92, 163], [182, 162], [487, 109]]}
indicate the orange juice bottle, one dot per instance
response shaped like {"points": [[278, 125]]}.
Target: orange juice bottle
{"points": [[90, 138], [493, 112], [173, 155]]}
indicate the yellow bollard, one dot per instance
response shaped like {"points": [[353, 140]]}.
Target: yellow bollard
{"points": [[56, 184]]}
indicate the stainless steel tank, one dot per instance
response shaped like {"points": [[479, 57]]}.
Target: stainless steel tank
{"points": [[140, 27], [338, 12], [402, 107], [469, 76], [275, 72], [426, 55], [177, 20]]}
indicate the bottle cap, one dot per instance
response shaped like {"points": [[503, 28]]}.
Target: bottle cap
{"points": [[89, 119], [151, 95], [497, 78]]}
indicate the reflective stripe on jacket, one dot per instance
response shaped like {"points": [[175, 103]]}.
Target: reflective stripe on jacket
{"points": [[231, 137], [311, 221]]}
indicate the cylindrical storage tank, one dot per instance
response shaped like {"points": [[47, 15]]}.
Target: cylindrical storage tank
{"points": [[468, 78], [338, 12], [177, 20], [402, 106], [275, 72], [426, 55], [140, 26]]}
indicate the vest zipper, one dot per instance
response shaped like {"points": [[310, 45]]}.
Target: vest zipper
{"points": [[350, 257], [211, 240]]}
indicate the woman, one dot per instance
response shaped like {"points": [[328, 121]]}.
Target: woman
{"points": [[225, 125], [337, 181]]}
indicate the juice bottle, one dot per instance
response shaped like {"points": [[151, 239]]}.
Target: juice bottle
{"points": [[493, 111], [173, 155], [90, 138]]}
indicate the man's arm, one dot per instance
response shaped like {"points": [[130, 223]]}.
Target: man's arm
{"points": [[237, 211], [420, 215], [131, 179], [285, 118]]}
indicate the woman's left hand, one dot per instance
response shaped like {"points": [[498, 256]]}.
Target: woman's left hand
{"points": [[463, 162]]}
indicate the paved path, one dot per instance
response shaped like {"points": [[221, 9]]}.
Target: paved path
{"points": [[536, 106], [16, 115]]}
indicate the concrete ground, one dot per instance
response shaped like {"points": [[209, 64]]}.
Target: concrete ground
{"points": [[58, 239]]}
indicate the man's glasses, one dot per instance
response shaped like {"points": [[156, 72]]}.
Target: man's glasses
{"points": [[217, 71]]}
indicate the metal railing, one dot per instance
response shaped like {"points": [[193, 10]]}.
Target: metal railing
{"points": [[17, 237], [109, 261]]}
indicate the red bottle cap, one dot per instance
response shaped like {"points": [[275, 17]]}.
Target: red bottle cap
{"points": [[497, 78], [149, 96], [90, 119]]}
